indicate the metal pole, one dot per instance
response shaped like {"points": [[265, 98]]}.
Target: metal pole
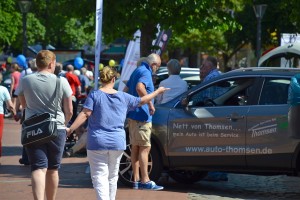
{"points": [[258, 42], [24, 15]]}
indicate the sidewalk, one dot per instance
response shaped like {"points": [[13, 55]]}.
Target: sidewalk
{"points": [[74, 183]]}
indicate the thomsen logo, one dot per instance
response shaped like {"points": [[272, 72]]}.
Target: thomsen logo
{"points": [[34, 132]]}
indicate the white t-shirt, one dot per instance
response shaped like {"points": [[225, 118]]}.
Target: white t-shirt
{"points": [[4, 96], [177, 87]]}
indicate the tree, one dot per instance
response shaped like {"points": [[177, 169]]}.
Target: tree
{"points": [[178, 15]]}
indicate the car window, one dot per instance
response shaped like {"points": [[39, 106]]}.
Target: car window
{"points": [[224, 93], [274, 91]]}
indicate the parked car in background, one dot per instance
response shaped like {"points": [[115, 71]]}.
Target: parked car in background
{"points": [[190, 75], [283, 56], [243, 129]]}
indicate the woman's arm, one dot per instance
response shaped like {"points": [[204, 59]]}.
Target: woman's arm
{"points": [[147, 98], [10, 106], [80, 119]]}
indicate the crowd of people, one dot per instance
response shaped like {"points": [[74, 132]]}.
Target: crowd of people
{"points": [[101, 120]]}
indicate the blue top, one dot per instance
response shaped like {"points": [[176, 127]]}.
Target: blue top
{"points": [[212, 74], [106, 123], [142, 74], [85, 82]]}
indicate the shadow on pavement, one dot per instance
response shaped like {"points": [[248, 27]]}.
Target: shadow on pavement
{"points": [[11, 150]]}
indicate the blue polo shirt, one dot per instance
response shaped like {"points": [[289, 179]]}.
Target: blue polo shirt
{"points": [[142, 74]]}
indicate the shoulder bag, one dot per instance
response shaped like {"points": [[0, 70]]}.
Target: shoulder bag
{"points": [[41, 128]]}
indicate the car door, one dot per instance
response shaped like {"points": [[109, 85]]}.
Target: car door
{"points": [[267, 141], [211, 131]]}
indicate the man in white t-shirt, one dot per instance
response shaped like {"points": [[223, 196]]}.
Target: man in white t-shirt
{"points": [[174, 82]]}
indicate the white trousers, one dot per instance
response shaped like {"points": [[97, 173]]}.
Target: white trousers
{"points": [[104, 172]]}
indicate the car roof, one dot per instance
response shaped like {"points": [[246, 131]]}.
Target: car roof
{"points": [[285, 51], [266, 70]]}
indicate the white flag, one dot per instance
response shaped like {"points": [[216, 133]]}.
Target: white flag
{"points": [[99, 11], [131, 57]]}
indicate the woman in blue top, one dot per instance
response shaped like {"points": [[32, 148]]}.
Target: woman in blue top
{"points": [[106, 109]]}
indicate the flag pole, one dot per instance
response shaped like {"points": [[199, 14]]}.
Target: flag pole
{"points": [[99, 12]]}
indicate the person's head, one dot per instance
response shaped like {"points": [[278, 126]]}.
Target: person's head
{"points": [[58, 68], [108, 74], [14, 67], [154, 61], [70, 68], [83, 70], [209, 64], [46, 60], [21, 60], [76, 72], [174, 67], [142, 59], [32, 65]]}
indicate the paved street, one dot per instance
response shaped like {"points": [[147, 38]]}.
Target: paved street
{"points": [[76, 184]]}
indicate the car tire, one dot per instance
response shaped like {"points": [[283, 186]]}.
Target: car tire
{"points": [[187, 177], [154, 167]]}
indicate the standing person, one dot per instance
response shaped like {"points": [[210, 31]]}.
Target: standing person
{"points": [[4, 97], [15, 78], [84, 80], [140, 122], [209, 70], [106, 110], [37, 95], [20, 111], [174, 81], [76, 88]]}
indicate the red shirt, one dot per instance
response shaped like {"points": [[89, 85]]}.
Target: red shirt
{"points": [[73, 81]]}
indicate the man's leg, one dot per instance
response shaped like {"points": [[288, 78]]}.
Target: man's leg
{"points": [[135, 162], [51, 184], [143, 160], [38, 178]]}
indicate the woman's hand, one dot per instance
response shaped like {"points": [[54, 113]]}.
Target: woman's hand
{"points": [[69, 131], [162, 90]]}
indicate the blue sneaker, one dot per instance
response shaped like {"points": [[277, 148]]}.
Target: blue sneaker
{"points": [[150, 185], [136, 185]]}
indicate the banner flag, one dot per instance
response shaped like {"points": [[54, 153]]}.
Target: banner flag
{"points": [[131, 57], [99, 11]]}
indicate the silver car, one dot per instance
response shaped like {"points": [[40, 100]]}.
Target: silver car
{"points": [[237, 122]]}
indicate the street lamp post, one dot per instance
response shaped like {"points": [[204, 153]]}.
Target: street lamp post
{"points": [[259, 11], [24, 7]]}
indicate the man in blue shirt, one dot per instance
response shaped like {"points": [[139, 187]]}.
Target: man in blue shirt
{"points": [[209, 70], [140, 121]]}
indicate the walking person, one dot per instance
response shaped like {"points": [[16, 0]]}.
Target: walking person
{"points": [[37, 95], [4, 97], [140, 122], [106, 111]]}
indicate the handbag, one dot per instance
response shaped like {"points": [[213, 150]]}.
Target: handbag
{"points": [[41, 128]]}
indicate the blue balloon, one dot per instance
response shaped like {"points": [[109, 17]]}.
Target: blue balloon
{"points": [[21, 60], [78, 63]]}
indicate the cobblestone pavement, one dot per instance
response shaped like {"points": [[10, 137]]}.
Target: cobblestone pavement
{"points": [[242, 186], [75, 184]]}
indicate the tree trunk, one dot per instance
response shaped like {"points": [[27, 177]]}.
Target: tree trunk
{"points": [[147, 36]]}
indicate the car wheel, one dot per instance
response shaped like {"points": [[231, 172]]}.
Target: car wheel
{"points": [[154, 166], [187, 177]]}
